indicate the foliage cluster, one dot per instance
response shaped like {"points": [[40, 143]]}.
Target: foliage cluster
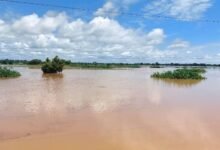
{"points": [[185, 73], [35, 62], [53, 66], [8, 73], [96, 65]]}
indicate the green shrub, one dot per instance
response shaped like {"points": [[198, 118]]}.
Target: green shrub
{"points": [[54, 66], [194, 73], [8, 73]]}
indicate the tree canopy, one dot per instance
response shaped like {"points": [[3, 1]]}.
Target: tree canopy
{"points": [[53, 66]]}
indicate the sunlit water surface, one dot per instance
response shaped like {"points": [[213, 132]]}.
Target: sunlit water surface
{"points": [[109, 110]]}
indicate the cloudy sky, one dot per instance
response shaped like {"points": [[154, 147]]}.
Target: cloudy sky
{"points": [[184, 31]]}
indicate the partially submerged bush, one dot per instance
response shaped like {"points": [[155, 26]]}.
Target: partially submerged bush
{"points": [[8, 73], [194, 73], [155, 66], [54, 66]]}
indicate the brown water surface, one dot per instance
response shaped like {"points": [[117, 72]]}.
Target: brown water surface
{"points": [[109, 110]]}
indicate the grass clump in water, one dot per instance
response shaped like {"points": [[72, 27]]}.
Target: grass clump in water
{"points": [[8, 73], [185, 73]]}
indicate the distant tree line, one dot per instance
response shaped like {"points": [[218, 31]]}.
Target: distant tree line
{"points": [[104, 65], [21, 62], [12, 62]]}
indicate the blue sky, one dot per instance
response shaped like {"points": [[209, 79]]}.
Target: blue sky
{"points": [[103, 34]]}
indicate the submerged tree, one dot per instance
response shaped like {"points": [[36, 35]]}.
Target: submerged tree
{"points": [[53, 66]]}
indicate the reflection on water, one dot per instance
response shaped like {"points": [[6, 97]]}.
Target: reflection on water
{"points": [[53, 76], [179, 83], [108, 109]]}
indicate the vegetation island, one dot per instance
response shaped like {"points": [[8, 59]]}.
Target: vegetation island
{"points": [[185, 73], [156, 65], [53, 66], [8, 73]]}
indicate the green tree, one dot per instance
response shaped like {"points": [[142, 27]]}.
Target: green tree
{"points": [[54, 66]]}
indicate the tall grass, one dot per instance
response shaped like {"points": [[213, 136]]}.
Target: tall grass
{"points": [[8, 73]]}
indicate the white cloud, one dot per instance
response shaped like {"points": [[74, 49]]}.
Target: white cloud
{"points": [[126, 53], [188, 52], [179, 44], [36, 53], [34, 24], [180, 9], [112, 8], [101, 39], [208, 57], [203, 53], [109, 9], [156, 36]]}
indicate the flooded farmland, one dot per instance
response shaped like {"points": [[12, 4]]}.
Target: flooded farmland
{"points": [[109, 110]]}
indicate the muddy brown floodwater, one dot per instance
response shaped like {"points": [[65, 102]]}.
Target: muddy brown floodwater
{"points": [[109, 110]]}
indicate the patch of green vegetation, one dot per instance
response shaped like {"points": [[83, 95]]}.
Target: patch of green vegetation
{"points": [[95, 65], [156, 66], [198, 70], [53, 66], [8, 73], [185, 73], [35, 62]]}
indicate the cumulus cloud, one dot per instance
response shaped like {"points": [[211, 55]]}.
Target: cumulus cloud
{"points": [[179, 44], [35, 24], [156, 36], [109, 9], [203, 53], [112, 8], [100, 39], [180, 9]]}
